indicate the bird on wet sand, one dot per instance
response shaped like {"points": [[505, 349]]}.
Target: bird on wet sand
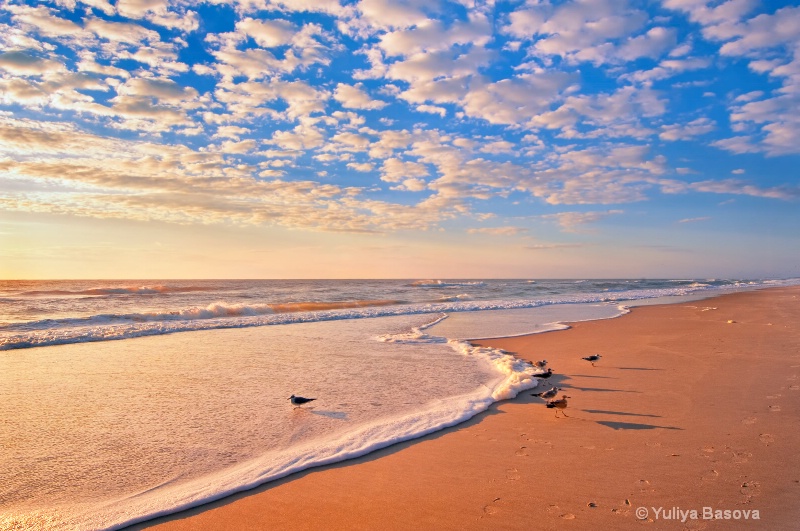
{"points": [[298, 401], [550, 393], [559, 405], [541, 364], [544, 375], [593, 358]]}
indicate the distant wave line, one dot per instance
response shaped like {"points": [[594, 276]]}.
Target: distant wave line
{"points": [[143, 290]]}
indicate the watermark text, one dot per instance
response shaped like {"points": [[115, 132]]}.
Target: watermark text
{"points": [[704, 513]]}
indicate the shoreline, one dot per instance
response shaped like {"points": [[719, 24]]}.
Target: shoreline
{"points": [[652, 424]]}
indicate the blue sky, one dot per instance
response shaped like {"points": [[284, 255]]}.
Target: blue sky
{"points": [[377, 138]]}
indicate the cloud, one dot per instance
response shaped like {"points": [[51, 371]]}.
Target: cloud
{"points": [[44, 21], [579, 31], [268, 33], [123, 32], [574, 221], [395, 170], [431, 36], [432, 109], [700, 126], [694, 220], [354, 97], [387, 14], [471, 107], [26, 64], [361, 166], [498, 231]]}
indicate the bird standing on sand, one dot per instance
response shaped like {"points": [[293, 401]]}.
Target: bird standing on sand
{"points": [[593, 358], [541, 364], [560, 404], [297, 401], [544, 375], [550, 393]]}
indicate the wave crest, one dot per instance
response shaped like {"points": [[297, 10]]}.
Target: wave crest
{"points": [[141, 290]]}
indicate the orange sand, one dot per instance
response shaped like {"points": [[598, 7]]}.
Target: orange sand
{"points": [[685, 410]]}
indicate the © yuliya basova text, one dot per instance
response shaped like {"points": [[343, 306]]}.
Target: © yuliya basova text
{"points": [[706, 513]]}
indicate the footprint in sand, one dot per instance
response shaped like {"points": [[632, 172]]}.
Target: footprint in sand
{"points": [[512, 474], [553, 509], [750, 489], [794, 387], [775, 408], [644, 486], [741, 457], [568, 516], [708, 449], [766, 438], [749, 420], [522, 452], [711, 475], [773, 397], [494, 507]]}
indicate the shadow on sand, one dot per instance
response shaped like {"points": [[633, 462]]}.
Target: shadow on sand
{"points": [[634, 426], [602, 411], [601, 389], [339, 415]]}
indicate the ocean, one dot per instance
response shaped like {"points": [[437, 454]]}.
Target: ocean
{"points": [[126, 400]]}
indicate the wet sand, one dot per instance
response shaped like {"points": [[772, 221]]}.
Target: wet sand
{"points": [[693, 407]]}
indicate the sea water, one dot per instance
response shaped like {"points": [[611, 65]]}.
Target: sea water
{"points": [[122, 401]]}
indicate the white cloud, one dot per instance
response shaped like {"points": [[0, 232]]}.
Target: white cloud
{"points": [[25, 64], [386, 14], [268, 33], [577, 31], [432, 36], [395, 170], [124, 32], [361, 166], [574, 221], [432, 109], [700, 126], [354, 97]]}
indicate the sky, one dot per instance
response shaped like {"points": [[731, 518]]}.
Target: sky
{"points": [[399, 139]]}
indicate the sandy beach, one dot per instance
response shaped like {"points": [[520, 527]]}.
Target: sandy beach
{"points": [[693, 407]]}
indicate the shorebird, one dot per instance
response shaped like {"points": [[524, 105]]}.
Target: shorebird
{"points": [[550, 393], [544, 375], [541, 364], [297, 401], [593, 358], [560, 404]]}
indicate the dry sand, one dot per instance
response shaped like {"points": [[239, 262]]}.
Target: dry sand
{"points": [[693, 405]]}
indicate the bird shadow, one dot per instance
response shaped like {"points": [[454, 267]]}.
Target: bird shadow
{"points": [[339, 415], [603, 411], [634, 426], [596, 376], [601, 389], [635, 368]]}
